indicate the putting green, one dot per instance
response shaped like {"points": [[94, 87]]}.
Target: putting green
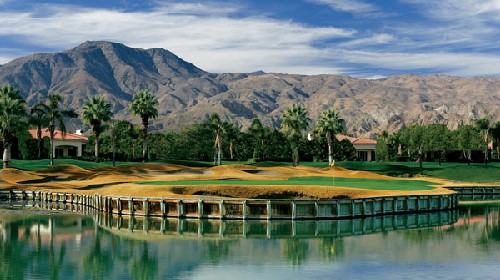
{"points": [[395, 185]]}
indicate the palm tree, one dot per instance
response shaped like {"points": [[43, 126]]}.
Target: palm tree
{"points": [[54, 116], [96, 112], [39, 119], [484, 125], [12, 118], [328, 125], [258, 133], [143, 106], [216, 125], [231, 132], [295, 121]]}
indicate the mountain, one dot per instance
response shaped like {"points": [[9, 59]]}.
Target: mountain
{"points": [[188, 94]]}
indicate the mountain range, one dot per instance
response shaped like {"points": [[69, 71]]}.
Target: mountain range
{"points": [[187, 94]]}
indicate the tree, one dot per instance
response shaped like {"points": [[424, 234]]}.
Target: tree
{"points": [[467, 138], [328, 125], [216, 125], [12, 119], [484, 125], [414, 138], [116, 127], [437, 139], [39, 119], [382, 147], [231, 133], [495, 135], [143, 106], [54, 116], [96, 112], [295, 121], [258, 132]]}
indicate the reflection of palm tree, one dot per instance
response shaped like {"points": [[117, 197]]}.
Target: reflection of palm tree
{"points": [[295, 250], [146, 267], [97, 263], [216, 250], [495, 227], [331, 248]]}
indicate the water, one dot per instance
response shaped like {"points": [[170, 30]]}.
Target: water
{"points": [[41, 244]]}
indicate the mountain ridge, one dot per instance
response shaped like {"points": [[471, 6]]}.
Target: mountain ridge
{"points": [[187, 93]]}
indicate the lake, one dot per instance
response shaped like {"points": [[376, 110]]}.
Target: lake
{"points": [[37, 243]]}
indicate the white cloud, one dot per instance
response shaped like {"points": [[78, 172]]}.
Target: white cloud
{"points": [[462, 64], [375, 39], [212, 42], [351, 6]]}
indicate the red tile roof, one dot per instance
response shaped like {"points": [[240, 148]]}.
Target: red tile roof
{"points": [[360, 141], [58, 135]]}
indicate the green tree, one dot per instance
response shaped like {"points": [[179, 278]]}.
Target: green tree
{"points": [[13, 118], [295, 121], [55, 117], [143, 106], [217, 127], [484, 126], [495, 135], [230, 132], [467, 138], [414, 139], [382, 147], [437, 139], [328, 125], [39, 119], [96, 112], [116, 128], [258, 133]]}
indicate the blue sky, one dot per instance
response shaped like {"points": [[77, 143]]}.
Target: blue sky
{"points": [[360, 38]]}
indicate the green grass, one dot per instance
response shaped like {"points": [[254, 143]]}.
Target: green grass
{"points": [[475, 172], [33, 165], [311, 180]]}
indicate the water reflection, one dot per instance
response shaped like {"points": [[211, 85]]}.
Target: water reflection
{"points": [[43, 245]]}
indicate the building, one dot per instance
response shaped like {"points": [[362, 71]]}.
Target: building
{"points": [[67, 145], [364, 147]]}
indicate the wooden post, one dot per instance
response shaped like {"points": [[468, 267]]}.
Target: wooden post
{"points": [[200, 208], [145, 206], [269, 210], [163, 208]]}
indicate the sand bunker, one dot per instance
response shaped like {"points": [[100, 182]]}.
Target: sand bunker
{"points": [[122, 181]]}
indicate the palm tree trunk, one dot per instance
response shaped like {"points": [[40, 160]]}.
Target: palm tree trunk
{"points": [[113, 146], [96, 148], [486, 155], [330, 152], [295, 156], [231, 148], [133, 149], [145, 140], [39, 137], [218, 154], [6, 155], [52, 148]]}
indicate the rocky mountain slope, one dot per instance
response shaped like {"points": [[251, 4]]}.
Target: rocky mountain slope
{"points": [[188, 94]]}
